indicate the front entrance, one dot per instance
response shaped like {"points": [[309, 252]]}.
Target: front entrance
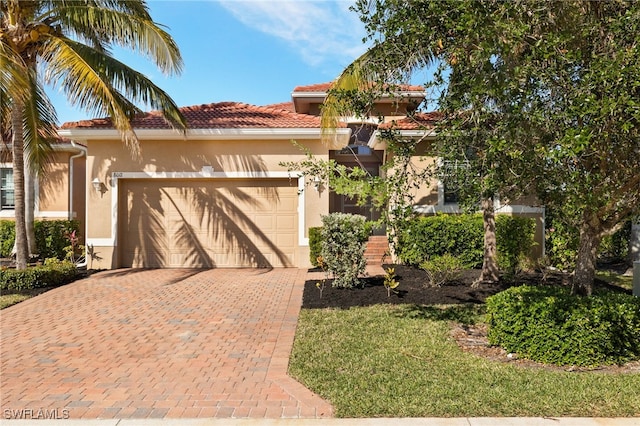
{"points": [[356, 156]]}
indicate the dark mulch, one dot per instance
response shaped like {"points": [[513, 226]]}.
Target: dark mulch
{"points": [[414, 290]]}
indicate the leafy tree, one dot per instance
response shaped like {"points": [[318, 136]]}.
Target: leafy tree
{"points": [[66, 43], [545, 94]]}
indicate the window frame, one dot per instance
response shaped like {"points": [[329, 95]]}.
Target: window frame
{"points": [[4, 168]]}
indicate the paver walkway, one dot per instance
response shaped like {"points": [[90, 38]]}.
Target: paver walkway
{"points": [[158, 343]]}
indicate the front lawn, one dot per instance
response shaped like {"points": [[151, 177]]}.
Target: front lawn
{"points": [[401, 360]]}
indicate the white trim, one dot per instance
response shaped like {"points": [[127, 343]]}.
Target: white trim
{"points": [[202, 134], [63, 214], [455, 208], [410, 134], [399, 94], [205, 174]]}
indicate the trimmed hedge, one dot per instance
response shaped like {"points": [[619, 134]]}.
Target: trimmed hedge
{"points": [[52, 274], [462, 236], [549, 325], [458, 235], [315, 245], [50, 237]]}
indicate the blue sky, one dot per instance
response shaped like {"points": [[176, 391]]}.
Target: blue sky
{"points": [[252, 51]]}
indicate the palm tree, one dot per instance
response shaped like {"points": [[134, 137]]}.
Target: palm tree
{"points": [[66, 44]]}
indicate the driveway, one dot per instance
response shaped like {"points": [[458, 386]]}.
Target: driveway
{"points": [[157, 343]]}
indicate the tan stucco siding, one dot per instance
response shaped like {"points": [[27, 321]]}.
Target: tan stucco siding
{"points": [[107, 160], [53, 184]]}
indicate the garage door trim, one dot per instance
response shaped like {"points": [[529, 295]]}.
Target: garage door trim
{"points": [[206, 173]]}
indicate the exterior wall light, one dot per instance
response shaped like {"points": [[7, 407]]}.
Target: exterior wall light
{"points": [[98, 186]]}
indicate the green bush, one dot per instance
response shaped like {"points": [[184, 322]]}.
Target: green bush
{"points": [[53, 273], [458, 235], [7, 237], [462, 236], [548, 324], [344, 239], [441, 269], [51, 238], [515, 238], [315, 245]]}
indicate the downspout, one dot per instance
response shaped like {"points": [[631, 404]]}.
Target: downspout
{"points": [[82, 152]]}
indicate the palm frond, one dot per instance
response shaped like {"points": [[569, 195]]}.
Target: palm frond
{"points": [[104, 86], [123, 23], [39, 124]]}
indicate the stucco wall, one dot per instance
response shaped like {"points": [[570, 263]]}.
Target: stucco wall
{"points": [[107, 159]]}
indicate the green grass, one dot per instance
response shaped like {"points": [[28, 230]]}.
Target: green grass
{"points": [[386, 361], [11, 299], [617, 279], [7, 300]]}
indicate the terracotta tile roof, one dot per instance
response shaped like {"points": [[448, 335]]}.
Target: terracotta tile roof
{"points": [[287, 106], [324, 87], [221, 115], [419, 121], [321, 87]]}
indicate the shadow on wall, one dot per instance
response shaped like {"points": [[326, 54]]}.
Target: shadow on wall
{"points": [[195, 224], [201, 223]]}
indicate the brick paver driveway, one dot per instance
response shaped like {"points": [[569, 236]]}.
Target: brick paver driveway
{"points": [[157, 343]]}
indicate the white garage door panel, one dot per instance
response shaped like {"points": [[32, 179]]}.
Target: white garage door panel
{"points": [[208, 223]]}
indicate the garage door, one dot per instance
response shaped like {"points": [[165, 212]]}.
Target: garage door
{"points": [[207, 223]]}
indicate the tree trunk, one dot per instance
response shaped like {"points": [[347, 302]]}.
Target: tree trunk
{"points": [[22, 249], [490, 271], [30, 207], [586, 262]]}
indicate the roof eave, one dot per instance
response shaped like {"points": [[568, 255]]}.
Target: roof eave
{"points": [[405, 134], [202, 134]]}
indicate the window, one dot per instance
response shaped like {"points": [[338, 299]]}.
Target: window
{"points": [[450, 175], [6, 189]]}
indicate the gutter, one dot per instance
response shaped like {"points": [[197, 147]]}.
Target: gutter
{"points": [[82, 152]]}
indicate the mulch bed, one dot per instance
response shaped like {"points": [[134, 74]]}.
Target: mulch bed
{"points": [[413, 289]]}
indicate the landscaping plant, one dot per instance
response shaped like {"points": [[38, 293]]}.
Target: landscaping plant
{"points": [[442, 269], [548, 324], [390, 281], [344, 239]]}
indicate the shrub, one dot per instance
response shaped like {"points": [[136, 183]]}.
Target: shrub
{"points": [[53, 273], [343, 244], [515, 238], [462, 236], [315, 245], [7, 237], [51, 237], [458, 235], [548, 324], [441, 269]]}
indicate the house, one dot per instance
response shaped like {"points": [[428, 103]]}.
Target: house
{"points": [[217, 195], [60, 189]]}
